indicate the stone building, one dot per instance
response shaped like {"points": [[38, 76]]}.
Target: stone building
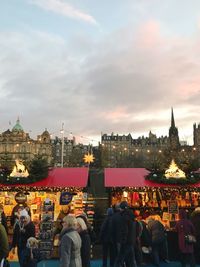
{"points": [[68, 145], [147, 150], [17, 144]]}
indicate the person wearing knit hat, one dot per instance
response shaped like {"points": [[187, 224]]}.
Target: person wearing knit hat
{"points": [[23, 229], [124, 205], [24, 213]]}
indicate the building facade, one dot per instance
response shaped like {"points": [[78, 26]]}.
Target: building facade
{"points": [[59, 144], [17, 144], [146, 151]]}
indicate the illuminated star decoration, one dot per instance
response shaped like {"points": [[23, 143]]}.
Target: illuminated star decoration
{"points": [[88, 158]]}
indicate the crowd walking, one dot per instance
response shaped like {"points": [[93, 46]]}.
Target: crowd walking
{"points": [[128, 239]]}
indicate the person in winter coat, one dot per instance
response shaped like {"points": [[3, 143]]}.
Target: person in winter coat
{"points": [[158, 240], [106, 239], [70, 245], [90, 228], [32, 253], [4, 247], [128, 237], [24, 228], [85, 242], [195, 219], [183, 228], [117, 225], [3, 218]]}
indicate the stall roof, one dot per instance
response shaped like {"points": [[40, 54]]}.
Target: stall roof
{"points": [[132, 177], [62, 177]]}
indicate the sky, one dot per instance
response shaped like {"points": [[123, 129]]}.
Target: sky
{"points": [[100, 66]]}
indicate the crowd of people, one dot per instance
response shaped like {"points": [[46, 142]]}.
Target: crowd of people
{"points": [[128, 239], [75, 238], [23, 238]]}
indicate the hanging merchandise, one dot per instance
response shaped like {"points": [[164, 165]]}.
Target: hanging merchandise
{"points": [[187, 196], [46, 229]]}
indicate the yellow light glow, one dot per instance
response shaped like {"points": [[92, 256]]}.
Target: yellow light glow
{"points": [[19, 170], [88, 158], [174, 171]]}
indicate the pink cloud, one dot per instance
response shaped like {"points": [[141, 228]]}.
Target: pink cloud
{"points": [[148, 34], [117, 114]]}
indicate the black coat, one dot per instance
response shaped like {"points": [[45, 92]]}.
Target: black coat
{"points": [[129, 227], [117, 227], [20, 237], [124, 227], [27, 261], [106, 230], [145, 236], [85, 248], [195, 218], [4, 221]]}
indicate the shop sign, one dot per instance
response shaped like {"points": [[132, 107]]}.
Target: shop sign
{"points": [[20, 198], [173, 207], [65, 198]]}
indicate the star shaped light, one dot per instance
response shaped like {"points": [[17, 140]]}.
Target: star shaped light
{"points": [[88, 158]]}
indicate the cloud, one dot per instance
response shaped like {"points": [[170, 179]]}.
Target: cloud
{"points": [[127, 82], [65, 9]]}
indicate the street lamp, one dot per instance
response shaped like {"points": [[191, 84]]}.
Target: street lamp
{"points": [[62, 144]]}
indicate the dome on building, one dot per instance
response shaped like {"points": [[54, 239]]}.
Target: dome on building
{"points": [[46, 133], [17, 127]]}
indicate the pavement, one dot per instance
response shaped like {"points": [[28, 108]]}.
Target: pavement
{"points": [[95, 263]]}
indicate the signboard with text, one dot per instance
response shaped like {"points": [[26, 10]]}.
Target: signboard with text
{"points": [[173, 207]]}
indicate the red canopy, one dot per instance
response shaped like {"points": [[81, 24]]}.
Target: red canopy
{"points": [[132, 177], [62, 177]]}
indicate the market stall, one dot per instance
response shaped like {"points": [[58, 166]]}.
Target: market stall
{"points": [[48, 200], [130, 184], [150, 197]]}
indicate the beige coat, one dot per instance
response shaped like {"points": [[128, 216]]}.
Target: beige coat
{"points": [[70, 246]]}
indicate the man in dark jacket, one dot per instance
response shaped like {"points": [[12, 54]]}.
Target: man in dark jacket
{"points": [[158, 240], [117, 226], [128, 237], [106, 239]]}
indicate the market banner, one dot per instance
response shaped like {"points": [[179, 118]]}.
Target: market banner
{"points": [[65, 198]]}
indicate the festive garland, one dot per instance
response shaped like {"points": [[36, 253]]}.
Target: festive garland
{"points": [[159, 177]]}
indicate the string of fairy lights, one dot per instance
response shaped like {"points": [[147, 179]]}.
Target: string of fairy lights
{"points": [[75, 135]]}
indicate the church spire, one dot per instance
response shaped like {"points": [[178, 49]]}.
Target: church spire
{"points": [[173, 133], [172, 119]]}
